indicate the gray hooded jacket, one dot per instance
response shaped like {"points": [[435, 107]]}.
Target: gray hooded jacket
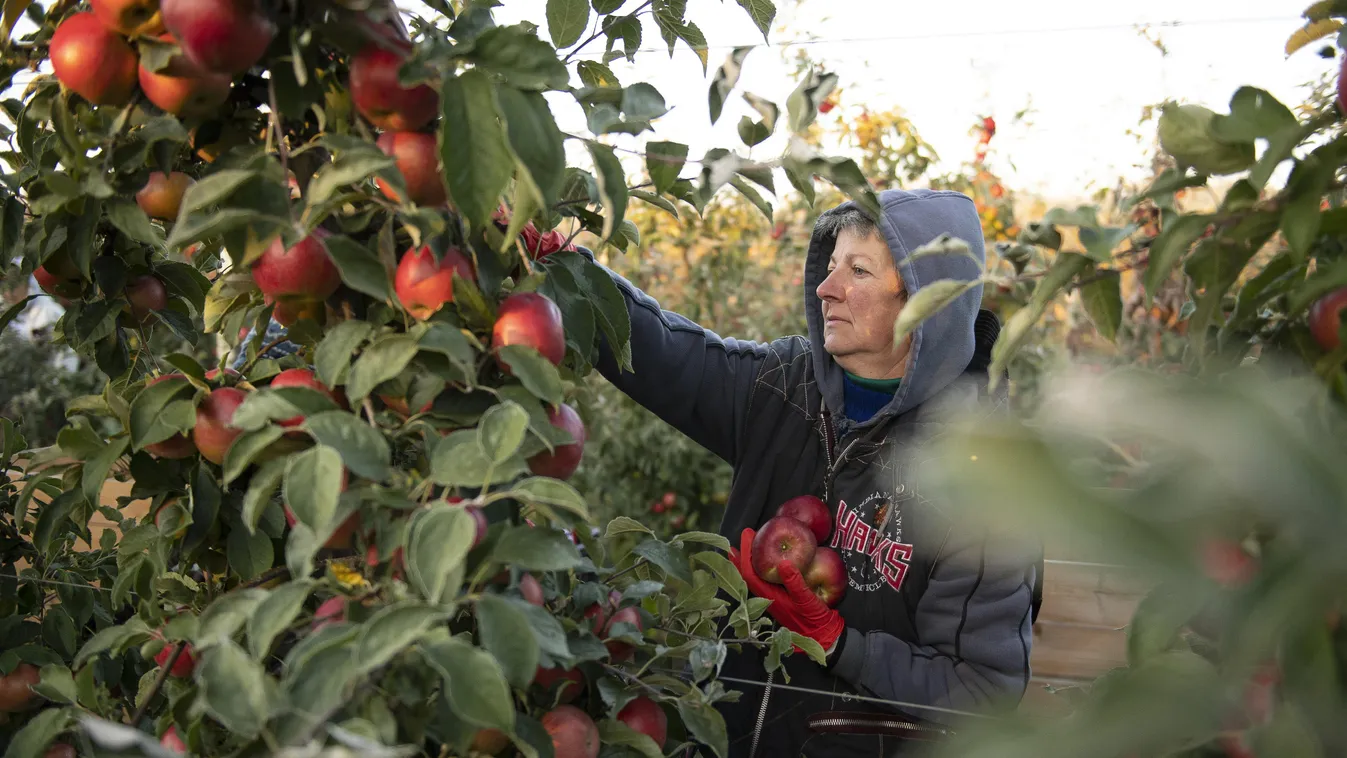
{"points": [[938, 612]]}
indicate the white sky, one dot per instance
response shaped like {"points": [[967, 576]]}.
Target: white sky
{"points": [[1082, 67]]}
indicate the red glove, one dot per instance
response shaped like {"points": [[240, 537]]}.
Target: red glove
{"points": [[794, 605]]}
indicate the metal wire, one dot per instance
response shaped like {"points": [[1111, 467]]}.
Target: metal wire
{"points": [[56, 583]]}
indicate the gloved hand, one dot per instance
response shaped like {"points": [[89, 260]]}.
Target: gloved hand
{"points": [[794, 605]]}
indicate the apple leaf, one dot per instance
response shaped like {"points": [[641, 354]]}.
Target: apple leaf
{"points": [[132, 221], [536, 373], [552, 492], [706, 724], [505, 632], [727, 76], [332, 359], [928, 301], [360, 268], [261, 488], [381, 361], [33, 739], [233, 688], [762, 12], [501, 431], [535, 549], [566, 21], [313, 485], [276, 612], [152, 420], [249, 553], [612, 185], [390, 630], [246, 448], [535, 139], [364, 450], [474, 151], [459, 461], [668, 557], [1103, 301], [614, 732], [474, 684], [438, 540]]}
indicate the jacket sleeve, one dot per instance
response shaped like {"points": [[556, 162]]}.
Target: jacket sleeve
{"points": [[975, 631], [693, 379]]}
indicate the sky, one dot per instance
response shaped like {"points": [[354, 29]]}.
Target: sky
{"points": [[1082, 68]]}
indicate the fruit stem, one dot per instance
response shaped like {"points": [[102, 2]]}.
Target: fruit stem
{"points": [[629, 569], [281, 147], [156, 684]]}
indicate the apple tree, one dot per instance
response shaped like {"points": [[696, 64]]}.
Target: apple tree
{"points": [[364, 543]]}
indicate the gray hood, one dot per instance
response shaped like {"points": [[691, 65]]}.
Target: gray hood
{"points": [[943, 345]]}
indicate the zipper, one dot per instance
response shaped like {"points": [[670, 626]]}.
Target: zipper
{"points": [[885, 723], [762, 715]]}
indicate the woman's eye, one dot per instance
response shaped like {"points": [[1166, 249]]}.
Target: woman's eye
{"points": [[857, 270]]}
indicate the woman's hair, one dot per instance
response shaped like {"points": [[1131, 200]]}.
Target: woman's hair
{"points": [[852, 220]]}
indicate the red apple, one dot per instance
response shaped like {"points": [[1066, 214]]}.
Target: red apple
{"points": [[161, 197], [177, 446], [827, 576], [182, 667], [398, 405], [213, 433], [598, 612], [417, 156], [93, 61], [1326, 318], [812, 512], [782, 539], [572, 683], [131, 18], [381, 98], [60, 750], [479, 520], [220, 36], [215, 373], [16, 693], [330, 611], [531, 589], [289, 310], [562, 462], [645, 716], [532, 320], [490, 741], [573, 732], [185, 89], [172, 741], [145, 294], [1227, 563], [424, 284], [617, 649], [301, 377], [302, 272], [59, 277]]}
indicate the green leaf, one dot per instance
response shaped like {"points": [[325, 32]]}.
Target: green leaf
{"points": [[213, 189], [132, 221], [391, 630], [810, 646], [727, 576], [706, 724], [317, 681], [1157, 622], [1102, 298], [1064, 268], [474, 684], [612, 186], [381, 361], [1254, 114], [664, 161], [474, 151], [1186, 133], [364, 450], [13, 9], [535, 549], [614, 732], [928, 301], [753, 196], [501, 431], [505, 632], [97, 468], [535, 372], [349, 167], [656, 200], [274, 614], [625, 525], [152, 418], [360, 268], [668, 557], [313, 485], [279, 403], [56, 684], [762, 12], [261, 488], [245, 449], [226, 615], [535, 139], [566, 21], [802, 105], [458, 460], [32, 740], [332, 359], [249, 553], [233, 689], [113, 639], [1169, 247], [438, 540], [516, 54], [553, 492], [13, 311], [727, 76]]}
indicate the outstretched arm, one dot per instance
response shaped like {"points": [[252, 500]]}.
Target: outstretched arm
{"points": [[693, 379]]}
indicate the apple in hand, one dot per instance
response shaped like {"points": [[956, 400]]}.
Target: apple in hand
{"points": [[131, 18], [145, 294], [645, 716], [161, 197], [185, 89], [782, 539], [93, 61], [827, 576], [812, 512], [1326, 317], [302, 272], [424, 284], [417, 156], [573, 732], [531, 320], [380, 97], [562, 462], [214, 433], [220, 36]]}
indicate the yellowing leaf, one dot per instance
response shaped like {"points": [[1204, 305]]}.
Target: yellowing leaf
{"points": [[1314, 30]]}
